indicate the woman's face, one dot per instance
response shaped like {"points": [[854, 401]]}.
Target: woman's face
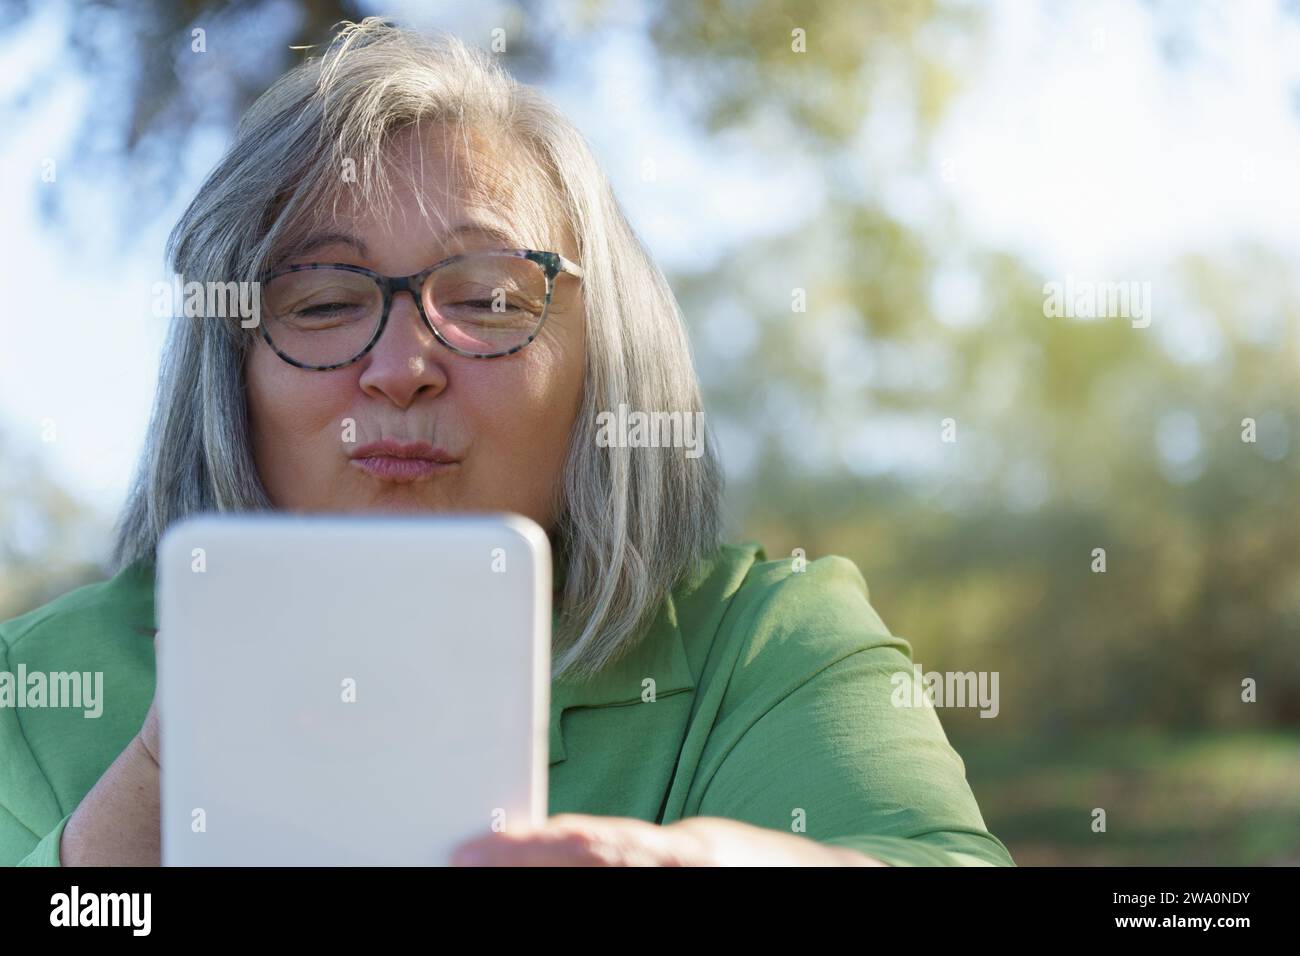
{"points": [[487, 434]]}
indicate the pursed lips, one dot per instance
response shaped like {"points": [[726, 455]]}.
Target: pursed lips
{"points": [[403, 462]]}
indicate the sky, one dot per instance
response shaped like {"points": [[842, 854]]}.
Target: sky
{"points": [[1075, 144]]}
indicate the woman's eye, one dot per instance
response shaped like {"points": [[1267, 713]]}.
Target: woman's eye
{"points": [[488, 305], [326, 309], [327, 315]]}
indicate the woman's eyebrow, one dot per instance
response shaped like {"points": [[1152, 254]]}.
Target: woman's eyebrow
{"points": [[490, 230], [318, 240]]}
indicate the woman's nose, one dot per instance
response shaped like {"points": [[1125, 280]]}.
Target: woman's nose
{"points": [[407, 361]]}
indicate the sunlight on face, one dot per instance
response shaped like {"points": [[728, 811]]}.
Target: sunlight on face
{"points": [[412, 426]]}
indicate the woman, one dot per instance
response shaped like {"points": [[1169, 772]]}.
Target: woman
{"points": [[449, 298]]}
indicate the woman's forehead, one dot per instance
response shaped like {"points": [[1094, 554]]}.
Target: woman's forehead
{"points": [[450, 192], [359, 238]]}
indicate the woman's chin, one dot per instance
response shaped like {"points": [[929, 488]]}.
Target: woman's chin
{"points": [[390, 498], [406, 501]]}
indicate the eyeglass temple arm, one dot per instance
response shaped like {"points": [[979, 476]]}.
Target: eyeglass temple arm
{"points": [[572, 268]]}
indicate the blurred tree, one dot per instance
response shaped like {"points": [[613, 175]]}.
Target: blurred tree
{"points": [[163, 71], [48, 539], [1073, 434]]}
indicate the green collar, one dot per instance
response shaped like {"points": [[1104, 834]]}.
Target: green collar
{"points": [[659, 655], [694, 609]]}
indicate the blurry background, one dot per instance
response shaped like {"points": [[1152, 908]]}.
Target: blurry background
{"points": [[859, 234]]}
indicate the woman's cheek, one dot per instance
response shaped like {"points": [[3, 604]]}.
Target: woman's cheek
{"points": [[298, 432]]}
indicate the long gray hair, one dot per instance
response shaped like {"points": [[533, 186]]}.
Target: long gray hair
{"points": [[633, 521]]}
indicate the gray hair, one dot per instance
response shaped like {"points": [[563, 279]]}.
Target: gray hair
{"points": [[633, 521]]}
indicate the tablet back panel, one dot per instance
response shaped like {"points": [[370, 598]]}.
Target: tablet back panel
{"points": [[366, 691]]}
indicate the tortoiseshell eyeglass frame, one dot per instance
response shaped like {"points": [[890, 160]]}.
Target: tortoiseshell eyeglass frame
{"points": [[552, 264]]}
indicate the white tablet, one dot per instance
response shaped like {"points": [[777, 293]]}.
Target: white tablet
{"points": [[350, 690]]}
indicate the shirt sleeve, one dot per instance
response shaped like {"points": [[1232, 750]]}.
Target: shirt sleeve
{"points": [[30, 824], [817, 742], [46, 851]]}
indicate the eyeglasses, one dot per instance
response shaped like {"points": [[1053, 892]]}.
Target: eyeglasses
{"points": [[478, 304]]}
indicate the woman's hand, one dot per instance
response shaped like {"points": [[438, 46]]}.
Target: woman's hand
{"points": [[572, 839]]}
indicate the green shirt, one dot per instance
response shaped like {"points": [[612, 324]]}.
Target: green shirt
{"points": [[772, 704]]}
